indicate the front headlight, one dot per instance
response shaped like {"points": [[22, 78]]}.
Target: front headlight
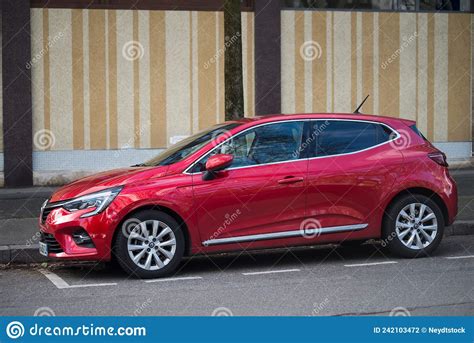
{"points": [[96, 201]]}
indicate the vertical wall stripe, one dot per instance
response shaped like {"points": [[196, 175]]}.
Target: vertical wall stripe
{"points": [[368, 30], [195, 72], [97, 79], [107, 113], [342, 61], [422, 73], [158, 106], [250, 64], [221, 87], [46, 72], [112, 78], [389, 70], [308, 65], [441, 78], [178, 69], [430, 66], [125, 92], [77, 80], [136, 83], [207, 68], [38, 90], [375, 65], [192, 36], [359, 96], [354, 59], [144, 78], [288, 61], [319, 64], [329, 63], [85, 46], [61, 80], [407, 88], [299, 62], [244, 34], [459, 73]]}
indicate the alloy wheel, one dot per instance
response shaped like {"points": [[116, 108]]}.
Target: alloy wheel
{"points": [[416, 226], [151, 244]]}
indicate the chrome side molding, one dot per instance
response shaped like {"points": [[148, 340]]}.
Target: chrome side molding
{"points": [[284, 234]]}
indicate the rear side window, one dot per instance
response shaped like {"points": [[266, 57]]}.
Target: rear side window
{"points": [[418, 132], [335, 137]]}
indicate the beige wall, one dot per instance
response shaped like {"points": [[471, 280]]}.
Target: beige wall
{"points": [[90, 92], [1, 93], [415, 66]]}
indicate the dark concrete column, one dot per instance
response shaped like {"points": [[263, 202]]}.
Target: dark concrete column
{"points": [[17, 117], [267, 57]]}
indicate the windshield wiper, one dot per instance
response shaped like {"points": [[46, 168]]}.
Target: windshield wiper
{"points": [[139, 165]]}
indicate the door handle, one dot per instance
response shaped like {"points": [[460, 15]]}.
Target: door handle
{"points": [[290, 179]]}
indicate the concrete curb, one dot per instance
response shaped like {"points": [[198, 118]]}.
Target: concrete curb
{"points": [[25, 254]]}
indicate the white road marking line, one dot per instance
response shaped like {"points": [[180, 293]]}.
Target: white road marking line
{"points": [[61, 284], [459, 257], [369, 264], [175, 279], [272, 272]]}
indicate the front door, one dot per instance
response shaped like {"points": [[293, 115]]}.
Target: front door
{"points": [[262, 192]]}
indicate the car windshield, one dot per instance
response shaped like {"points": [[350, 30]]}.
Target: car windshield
{"points": [[186, 147]]}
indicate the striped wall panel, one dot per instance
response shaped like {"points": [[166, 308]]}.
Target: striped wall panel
{"points": [[1, 93], [414, 66], [115, 79]]}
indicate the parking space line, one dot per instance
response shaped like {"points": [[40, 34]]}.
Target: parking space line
{"points": [[271, 272], [459, 257], [60, 283], [175, 279], [369, 264]]}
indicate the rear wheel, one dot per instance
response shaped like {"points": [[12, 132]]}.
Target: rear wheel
{"points": [[413, 226], [150, 244]]}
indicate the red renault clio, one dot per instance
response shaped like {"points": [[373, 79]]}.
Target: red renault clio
{"points": [[265, 182]]}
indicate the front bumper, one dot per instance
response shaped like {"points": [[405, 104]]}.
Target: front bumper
{"points": [[58, 227]]}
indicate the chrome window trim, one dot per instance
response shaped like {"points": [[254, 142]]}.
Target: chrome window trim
{"points": [[284, 234], [300, 159]]}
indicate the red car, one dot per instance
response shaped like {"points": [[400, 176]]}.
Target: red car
{"points": [[265, 182]]}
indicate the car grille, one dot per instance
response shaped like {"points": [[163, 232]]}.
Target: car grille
{"points": [[44, 213], [51, 242], [46, 210]]}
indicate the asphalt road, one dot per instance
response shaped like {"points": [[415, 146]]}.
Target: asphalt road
{"points": [[326, 280]]}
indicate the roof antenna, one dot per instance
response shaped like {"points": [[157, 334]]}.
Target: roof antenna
{"points": [[362, 103]]}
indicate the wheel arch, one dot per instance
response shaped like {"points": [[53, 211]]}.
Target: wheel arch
{"points": [[423, 191], [164, 209]]}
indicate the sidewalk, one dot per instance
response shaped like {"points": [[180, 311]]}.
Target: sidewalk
{"points": [[20, 208]]}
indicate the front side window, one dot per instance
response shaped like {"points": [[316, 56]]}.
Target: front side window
{"points": [[265, 144], [335, 137]]}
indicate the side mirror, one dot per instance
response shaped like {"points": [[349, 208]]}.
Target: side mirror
{"points": [[215, 163]]}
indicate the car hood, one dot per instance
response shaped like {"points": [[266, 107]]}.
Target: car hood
{"points": [[107, 179]]}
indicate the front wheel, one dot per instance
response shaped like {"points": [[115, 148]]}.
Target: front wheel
{"points": [[413, 226], [150, 244]]}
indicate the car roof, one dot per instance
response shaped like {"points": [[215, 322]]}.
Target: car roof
{"points": [[352, 116]]}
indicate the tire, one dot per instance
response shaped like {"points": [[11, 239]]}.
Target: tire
{"points": [[140, 235], [405, 234]]}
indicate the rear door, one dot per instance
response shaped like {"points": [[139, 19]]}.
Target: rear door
{"points": [[351, 169]]}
